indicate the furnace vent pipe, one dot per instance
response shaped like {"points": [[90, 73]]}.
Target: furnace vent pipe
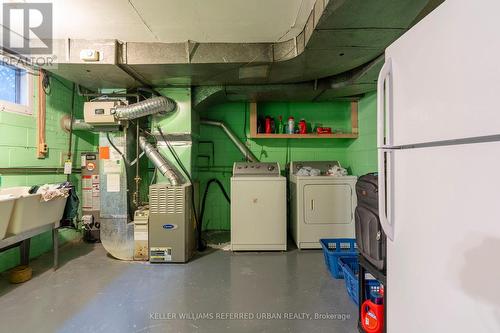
{"points": [[163, 166], [233, 137], [81, 125], [78, 124], [160, 104]]}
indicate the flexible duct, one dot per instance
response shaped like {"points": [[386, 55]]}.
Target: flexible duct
{"points": [[233, 137], [160, 104], [163, 166]]}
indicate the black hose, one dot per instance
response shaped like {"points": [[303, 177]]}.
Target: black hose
{"points": [[204, 199]]}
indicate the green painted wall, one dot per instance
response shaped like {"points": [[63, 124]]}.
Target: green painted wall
{"points": [[182, 122], [18, 135], [359, 155], [362, 152]]}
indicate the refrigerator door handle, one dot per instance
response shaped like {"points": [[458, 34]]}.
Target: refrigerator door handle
{"points": [[384, 193], [384, 197], [384, 138]]}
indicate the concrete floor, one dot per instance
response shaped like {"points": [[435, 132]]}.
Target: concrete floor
{"points": [[92, 292]]}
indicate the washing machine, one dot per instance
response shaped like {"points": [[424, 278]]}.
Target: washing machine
{"points": [[321, 206], [258, 207]]}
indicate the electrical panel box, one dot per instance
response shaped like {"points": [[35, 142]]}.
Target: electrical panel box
{"points": [[101, 112], [141, 248], [89, 55]]}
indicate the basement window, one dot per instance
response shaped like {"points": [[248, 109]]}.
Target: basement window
{"points": [[16, 89]]}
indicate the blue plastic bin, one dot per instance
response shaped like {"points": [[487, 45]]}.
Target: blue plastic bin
{"points": [[333, 249], [350, 268]]}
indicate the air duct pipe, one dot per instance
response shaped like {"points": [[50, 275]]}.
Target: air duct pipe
{"points": [[81, 125], [78, 124], [163, 165], [160, 104], [232, 136]]}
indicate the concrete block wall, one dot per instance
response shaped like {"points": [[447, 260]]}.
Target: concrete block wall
{"points": [[18, 140]]}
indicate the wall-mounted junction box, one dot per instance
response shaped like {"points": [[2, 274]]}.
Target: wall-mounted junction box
{"points": [[89, 55]]}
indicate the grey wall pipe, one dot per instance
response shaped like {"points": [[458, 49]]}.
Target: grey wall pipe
{"points": [[233, 137], [81, 125], [162, 164], [78, 125], [154, 105]]}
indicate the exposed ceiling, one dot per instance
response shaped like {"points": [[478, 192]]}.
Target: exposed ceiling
{"points": [[311, 49], [176, 21]]}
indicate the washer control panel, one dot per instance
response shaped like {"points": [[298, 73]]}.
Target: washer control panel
{"points": [[242, 169]]}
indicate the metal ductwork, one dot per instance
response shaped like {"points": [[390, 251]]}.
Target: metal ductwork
{"points": [[160, 104], [117, 234], [338, 37], [233, 137], [162, 164], [349, 86]]}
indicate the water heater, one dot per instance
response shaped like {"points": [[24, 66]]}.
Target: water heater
{"points": [[91, 197]]}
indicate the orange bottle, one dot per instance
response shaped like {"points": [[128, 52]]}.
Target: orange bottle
{"points": [[372, 313]]}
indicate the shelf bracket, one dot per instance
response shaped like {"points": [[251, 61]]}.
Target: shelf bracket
{"points": [[354, 117]]}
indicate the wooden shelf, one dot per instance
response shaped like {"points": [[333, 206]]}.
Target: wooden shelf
{"points": [[306, 136], [353, 135]]}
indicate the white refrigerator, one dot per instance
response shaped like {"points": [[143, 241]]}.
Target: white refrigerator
{"points": [[439, 171]]}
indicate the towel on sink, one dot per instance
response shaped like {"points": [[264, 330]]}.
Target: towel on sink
{"points": [[51, 191]]}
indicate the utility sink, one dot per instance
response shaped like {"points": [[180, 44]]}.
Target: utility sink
{"points": [[30, 211], [6, 207]]}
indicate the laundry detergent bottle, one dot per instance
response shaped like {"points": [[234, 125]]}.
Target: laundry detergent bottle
{"points": [[372, 313]]}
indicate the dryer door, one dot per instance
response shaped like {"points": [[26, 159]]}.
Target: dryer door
{"points": [[327, 204]]}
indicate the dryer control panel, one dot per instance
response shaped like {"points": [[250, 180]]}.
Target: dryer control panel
{"points": [[252, 169]]}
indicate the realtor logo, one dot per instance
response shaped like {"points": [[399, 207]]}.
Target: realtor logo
{"points": [[27, 28]]}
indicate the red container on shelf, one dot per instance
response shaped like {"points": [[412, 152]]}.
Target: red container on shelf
{"points": [[269, 128], [372, 314], [324, 130], [302, 127]]}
